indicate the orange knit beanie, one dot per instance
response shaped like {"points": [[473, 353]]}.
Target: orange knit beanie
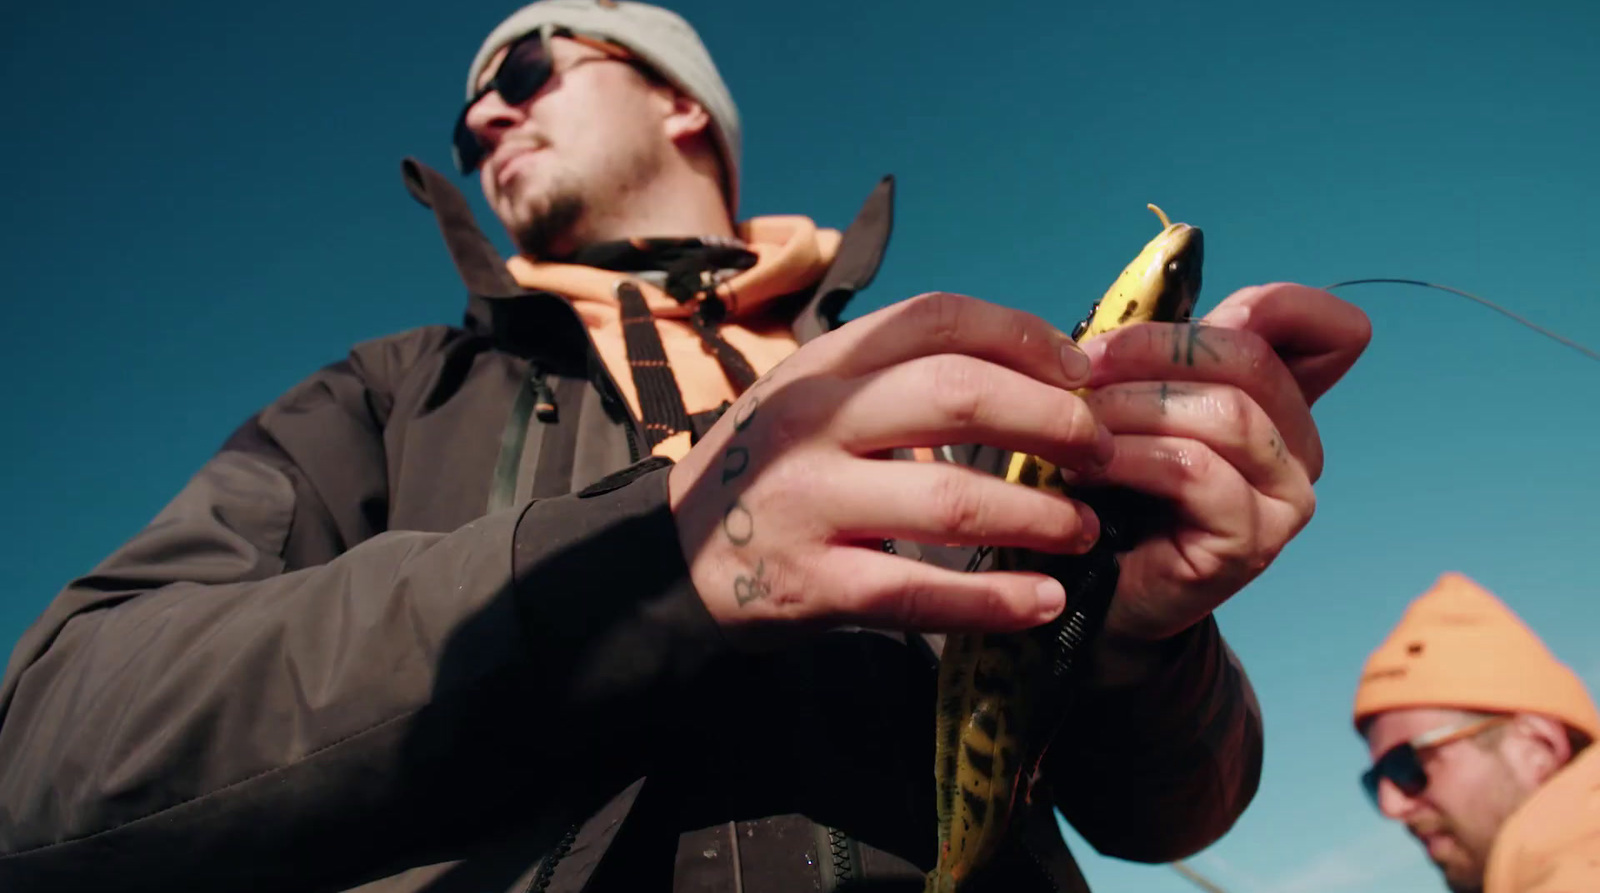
{"points": [[1457, 646]]}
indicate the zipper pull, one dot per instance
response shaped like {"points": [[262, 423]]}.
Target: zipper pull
{"points": [[544, 396]]}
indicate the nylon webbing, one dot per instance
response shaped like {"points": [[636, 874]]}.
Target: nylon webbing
{"points": [[733, 363], [686, 267], [660, 401]]}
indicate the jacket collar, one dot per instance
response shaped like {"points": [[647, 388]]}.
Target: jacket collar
{"points": [[521, 320]]}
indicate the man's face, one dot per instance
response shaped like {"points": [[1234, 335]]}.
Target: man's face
{"points": [[568, 157], [1471, 791]]}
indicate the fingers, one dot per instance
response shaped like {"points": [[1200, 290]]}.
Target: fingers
{"points": [[1226, 520], [955, 399], [1220, 416], [1157, 352], [1318, 335], [939, 323], [875, 589], [945, 503], [1213, 418]]}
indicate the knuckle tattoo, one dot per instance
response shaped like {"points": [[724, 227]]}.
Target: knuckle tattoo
{"points": [[1196, 344]]}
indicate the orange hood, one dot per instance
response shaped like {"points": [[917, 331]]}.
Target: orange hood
{"points": [[1549, 844], [792, 252], [1457, 646]]}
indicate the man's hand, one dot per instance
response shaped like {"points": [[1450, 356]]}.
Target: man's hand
{"points": [[783, 506], [1216, 418]]}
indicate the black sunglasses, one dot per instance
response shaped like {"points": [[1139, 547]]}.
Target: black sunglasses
{"points": [[1402, 764], [526, 68]]}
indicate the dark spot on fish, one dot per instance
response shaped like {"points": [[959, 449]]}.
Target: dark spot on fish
{"points": [[1008, 715], [1127, 312], [977, 806], [1030, 474], [991, 683], [1010, 646], [1055, 481], [980, 761]]}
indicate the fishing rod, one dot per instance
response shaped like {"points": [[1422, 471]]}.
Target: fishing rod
{"points": [[1196, 878]]}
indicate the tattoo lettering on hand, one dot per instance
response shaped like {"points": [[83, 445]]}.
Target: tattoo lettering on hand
{"points": [[739, 524], [747, 589], [1279, 450], [737, 458], [1164, 396], [746, 414], [734, 462], [1188, 340]]}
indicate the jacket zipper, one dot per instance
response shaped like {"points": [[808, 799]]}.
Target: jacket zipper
{"points": [[547, 865], [609, 391], [612, 393], [844, 863], [1044, 872]]}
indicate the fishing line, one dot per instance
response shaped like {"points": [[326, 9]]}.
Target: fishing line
{"points": [[1586, 351]]}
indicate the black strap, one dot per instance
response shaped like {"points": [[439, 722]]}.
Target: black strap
{"points": [[733, 363], [660, 401], [688, 264], [689, 281]]}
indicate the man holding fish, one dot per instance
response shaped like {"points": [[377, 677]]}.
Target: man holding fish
{"points": [[624, 582]]}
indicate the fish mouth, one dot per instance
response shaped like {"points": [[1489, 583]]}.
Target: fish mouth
{"points": [[1182, 260]]}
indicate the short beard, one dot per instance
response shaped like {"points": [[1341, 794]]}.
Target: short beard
{"points": [[1496, 803], [557, 222], [571, 208]]}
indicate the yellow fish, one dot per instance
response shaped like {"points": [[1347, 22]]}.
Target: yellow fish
{"points": [[999, 694]]}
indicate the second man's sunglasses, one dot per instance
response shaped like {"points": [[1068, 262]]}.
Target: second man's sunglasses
{"points": [[1402, 764]]}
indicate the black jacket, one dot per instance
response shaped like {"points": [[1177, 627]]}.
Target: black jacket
{"points": [[399, 635]]}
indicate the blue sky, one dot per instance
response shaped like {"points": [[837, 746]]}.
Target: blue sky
{"points": [[204, 205]]}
